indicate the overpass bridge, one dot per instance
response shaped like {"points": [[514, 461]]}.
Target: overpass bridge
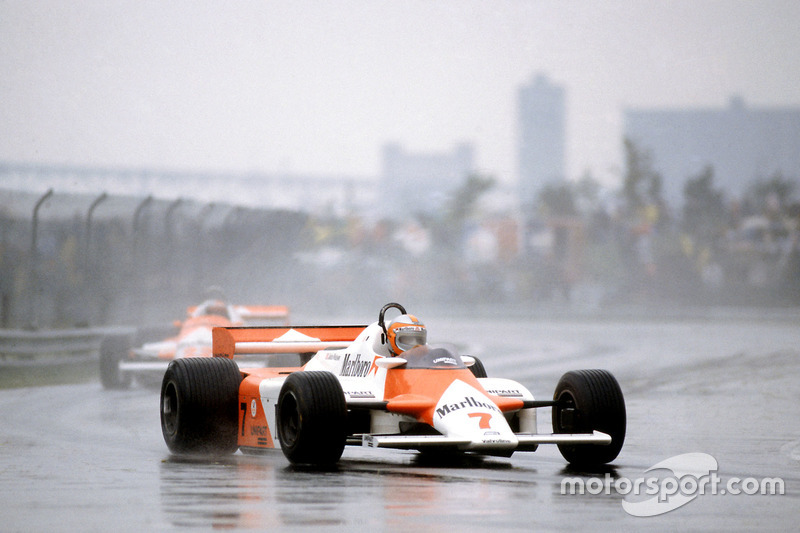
{"points": [[310, 193]]}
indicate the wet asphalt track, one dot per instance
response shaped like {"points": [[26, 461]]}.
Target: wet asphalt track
{"points": [[79, 458]]}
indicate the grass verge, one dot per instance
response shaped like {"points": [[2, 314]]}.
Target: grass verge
{"points": [[12, 377]]}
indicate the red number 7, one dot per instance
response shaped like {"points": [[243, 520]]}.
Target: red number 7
{"points": [[484, 419]]}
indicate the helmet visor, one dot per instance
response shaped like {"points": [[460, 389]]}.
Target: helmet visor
{"points": [[408, 337]]}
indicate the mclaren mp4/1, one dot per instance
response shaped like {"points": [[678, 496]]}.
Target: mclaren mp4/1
{"points": [[379, 385], [146, 354]]}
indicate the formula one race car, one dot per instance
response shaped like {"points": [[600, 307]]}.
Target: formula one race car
{"points": [[378, 386], [146, 354]]}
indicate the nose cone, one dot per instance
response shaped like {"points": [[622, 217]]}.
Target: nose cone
{"points": [[465, 412]]}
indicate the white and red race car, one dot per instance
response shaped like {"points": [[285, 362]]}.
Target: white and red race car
{"points": [[147, 354], [368, 386]]}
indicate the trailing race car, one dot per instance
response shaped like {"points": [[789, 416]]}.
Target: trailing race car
{"points": [[379, 386], [146, 354]]}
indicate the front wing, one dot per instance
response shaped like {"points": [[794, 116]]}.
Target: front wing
{"points": [[527, 442]]}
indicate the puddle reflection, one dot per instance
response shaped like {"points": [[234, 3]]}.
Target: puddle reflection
{"points": [[258, 492]]}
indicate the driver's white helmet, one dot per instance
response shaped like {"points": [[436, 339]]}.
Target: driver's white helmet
{"points": [[405, 332], [213, 308]]}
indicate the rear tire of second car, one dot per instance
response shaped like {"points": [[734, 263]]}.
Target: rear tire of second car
{"points": [[114, 350]]}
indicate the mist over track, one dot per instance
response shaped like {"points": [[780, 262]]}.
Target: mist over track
{"points": [[80, 458]]}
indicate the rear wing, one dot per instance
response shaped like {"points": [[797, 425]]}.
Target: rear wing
{"points": [[231, 341], [255, 313]]}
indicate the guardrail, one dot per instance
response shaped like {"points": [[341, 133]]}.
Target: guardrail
{"points": [[36, 347]]}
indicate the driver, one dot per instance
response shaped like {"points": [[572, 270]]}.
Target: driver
{"points": [[405, 332], [213, 308]]}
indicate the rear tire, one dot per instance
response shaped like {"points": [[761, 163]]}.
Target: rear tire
{"points": [[199, 405], [589, 400], [112, 351], [312, 418], [477, 369]]}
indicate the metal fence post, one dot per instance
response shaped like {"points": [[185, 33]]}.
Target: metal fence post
{"points": [[34, 262]]}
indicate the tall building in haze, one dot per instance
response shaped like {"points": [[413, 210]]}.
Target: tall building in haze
{"points": [[742, 144], [541, 151]]}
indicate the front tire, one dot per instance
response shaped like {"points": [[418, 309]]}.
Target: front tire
{"points": [[312, 418], [199, 405], [589, 400]]}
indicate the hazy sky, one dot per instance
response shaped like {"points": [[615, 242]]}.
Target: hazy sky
{"points": [[319, 87]]}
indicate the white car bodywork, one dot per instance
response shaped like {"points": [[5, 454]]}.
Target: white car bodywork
{"points": [[467, 413]]}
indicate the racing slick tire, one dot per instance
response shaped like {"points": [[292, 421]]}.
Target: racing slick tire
{"points": [[112, 351], [477, 369], [199, 406], [312, 418], [589, 400]]}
